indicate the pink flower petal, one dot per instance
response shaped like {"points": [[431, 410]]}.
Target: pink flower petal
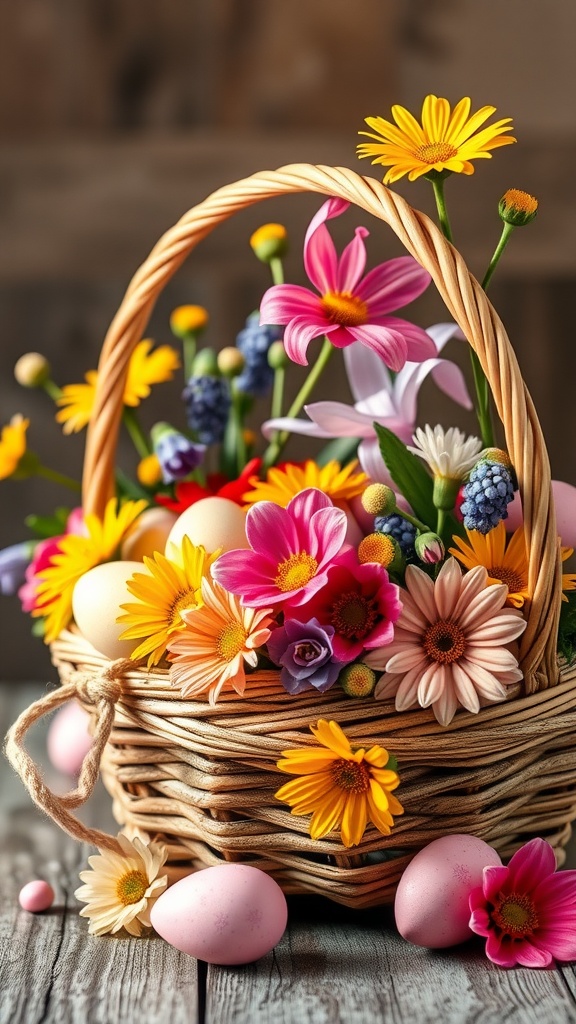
{"points": [[367, 374], [390, 345], [282, 302], [557, 889], [300, 332], [446, 706], [294, 426], [407, 692], [339, 420], [432, 683], [447, 589], [421, 588], [465, 689], [560, 943], [494, 880], [271, 530], [352, 262], [479, 922], [320, 259], [500, 953], [531, 864], [419, 344], [393, 284], [529, 955], [372, 462]]}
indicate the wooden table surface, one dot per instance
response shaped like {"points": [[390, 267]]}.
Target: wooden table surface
{"points": [[332, 965]]}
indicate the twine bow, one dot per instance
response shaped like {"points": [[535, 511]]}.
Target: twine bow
{"points": [[102, 691]]}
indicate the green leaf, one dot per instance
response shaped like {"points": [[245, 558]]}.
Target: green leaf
{"points": [[567, 628], [391, 764], [48, 526], [409, 475], [343, 449]]}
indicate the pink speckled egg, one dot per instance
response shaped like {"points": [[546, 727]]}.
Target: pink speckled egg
{"points": [[36, 896], [431, 906], [68, 740], [228, 914]]}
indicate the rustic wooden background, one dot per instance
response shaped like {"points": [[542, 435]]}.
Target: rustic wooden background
{"points": [[117, 115]]}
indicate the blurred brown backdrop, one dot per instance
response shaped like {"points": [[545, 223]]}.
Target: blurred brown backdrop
{"points": [[117, 115]]}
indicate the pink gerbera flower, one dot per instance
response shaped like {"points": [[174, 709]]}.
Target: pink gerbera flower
{"points": [[290, 551], [526, 912], [350, 307], [359, 602]]}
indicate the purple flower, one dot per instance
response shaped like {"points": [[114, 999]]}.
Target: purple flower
{"points": [[304, 650], [13, 563], [178, 455]]}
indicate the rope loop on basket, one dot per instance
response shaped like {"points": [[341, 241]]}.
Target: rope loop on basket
{"points": [[102, 691]]}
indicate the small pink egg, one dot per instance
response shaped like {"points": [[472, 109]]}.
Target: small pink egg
{"points": [[431, 906], [36, 896], [228, 914], [68, 740]]}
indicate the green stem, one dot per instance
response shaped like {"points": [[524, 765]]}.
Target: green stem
{"points": [[504, 238], [57, 478], [440, 521], [277, 270], [278, 392], [275, 447], [438, 186], [52, 389], [412, 519], [132, 424]]}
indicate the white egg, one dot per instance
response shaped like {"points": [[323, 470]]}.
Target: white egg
{"points": [[214, 523], [96, 601], [148, 534]]}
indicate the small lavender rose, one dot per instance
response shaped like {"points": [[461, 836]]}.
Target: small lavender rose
{"points": [[304, 651]]}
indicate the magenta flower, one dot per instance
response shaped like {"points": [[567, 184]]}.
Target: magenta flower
{"points": [[350, 307], [290, 551], [525, 910], [359, 602]]}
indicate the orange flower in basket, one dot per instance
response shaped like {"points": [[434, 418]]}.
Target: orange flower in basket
{"points": [[340, 786], [282, 483]]}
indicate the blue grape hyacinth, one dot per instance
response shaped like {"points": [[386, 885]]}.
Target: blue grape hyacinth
{"points": [[253, 341], [208, 403], [403, 532], [487, 494]]}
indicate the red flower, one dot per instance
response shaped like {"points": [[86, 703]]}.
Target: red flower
{"points": [[188, 492]]}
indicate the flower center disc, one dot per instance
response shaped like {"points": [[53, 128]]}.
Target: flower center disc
{"points": [[345, 309], [351, 776], [436, 152], [231, 640], [296, 571], [185, 599], [131, 887], [515, 914], [444, 642], [353, 616], [513, 580]]}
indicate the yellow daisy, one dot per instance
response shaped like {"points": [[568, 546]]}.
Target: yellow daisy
{"points": [[340, 786], [145, 368], [445, 141], [568, 578], [12, 445], [163, 592], [505, 563], [220, 639], [121, 888], [282, 483], [77, 554]]}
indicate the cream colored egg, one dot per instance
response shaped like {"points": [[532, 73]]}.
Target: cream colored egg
{"points": [[214, 523], [96, 601], [148, 534]]}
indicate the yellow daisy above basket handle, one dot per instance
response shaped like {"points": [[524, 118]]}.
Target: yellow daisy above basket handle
{"points": [[467, 303]]}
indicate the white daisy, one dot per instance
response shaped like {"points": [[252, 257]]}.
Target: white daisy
{"points": [[449, 453], [120, 889]]}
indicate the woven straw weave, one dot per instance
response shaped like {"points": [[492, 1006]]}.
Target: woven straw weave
{"points": [[203, 778]]}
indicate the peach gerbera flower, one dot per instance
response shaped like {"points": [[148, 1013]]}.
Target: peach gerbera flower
{"points": [[449, 645]]}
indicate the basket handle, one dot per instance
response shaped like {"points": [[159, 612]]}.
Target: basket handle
{"points": [[467, 303]]}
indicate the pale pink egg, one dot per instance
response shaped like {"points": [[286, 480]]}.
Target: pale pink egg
{"points": [[431, 906], [68, 740], [36, 896], [228, 914], [565, 504]]}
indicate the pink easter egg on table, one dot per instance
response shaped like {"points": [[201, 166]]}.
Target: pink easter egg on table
{"points": [[431, 905], [36, 896], [228, 914], [68, 740]]}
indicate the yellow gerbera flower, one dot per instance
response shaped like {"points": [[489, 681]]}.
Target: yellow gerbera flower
{"points": [[77, 554], [12, 445], [340, 786], [445, 141], [282, 483], [145, 368], [163, 592], [220, 639], [505, 562]]}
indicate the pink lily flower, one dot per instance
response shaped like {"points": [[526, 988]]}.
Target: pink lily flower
{"points": [[350, 307], [290, 551], [526, 911], [379, 397]]}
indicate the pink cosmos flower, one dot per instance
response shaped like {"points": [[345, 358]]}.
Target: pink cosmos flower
{"points": [[379, 397], [359, 602], [526, 912], [43, 555], [290, 551], [350, 307]]}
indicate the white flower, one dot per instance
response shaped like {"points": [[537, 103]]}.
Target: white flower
{"points": [[449, 645], [449, 453], [120, 889]]}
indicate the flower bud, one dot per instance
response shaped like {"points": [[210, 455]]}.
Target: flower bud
{"points": [[429, 548], [205, 364], [187, 320], [277, 358], [517, 208], [269, 242], [357, 680], [177, 454], [32, 370], [382, 549], [230, 361], [379, 500], [149, 471]]}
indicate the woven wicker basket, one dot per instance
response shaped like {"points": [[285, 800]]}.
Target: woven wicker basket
{"points": [[203, 778]]}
